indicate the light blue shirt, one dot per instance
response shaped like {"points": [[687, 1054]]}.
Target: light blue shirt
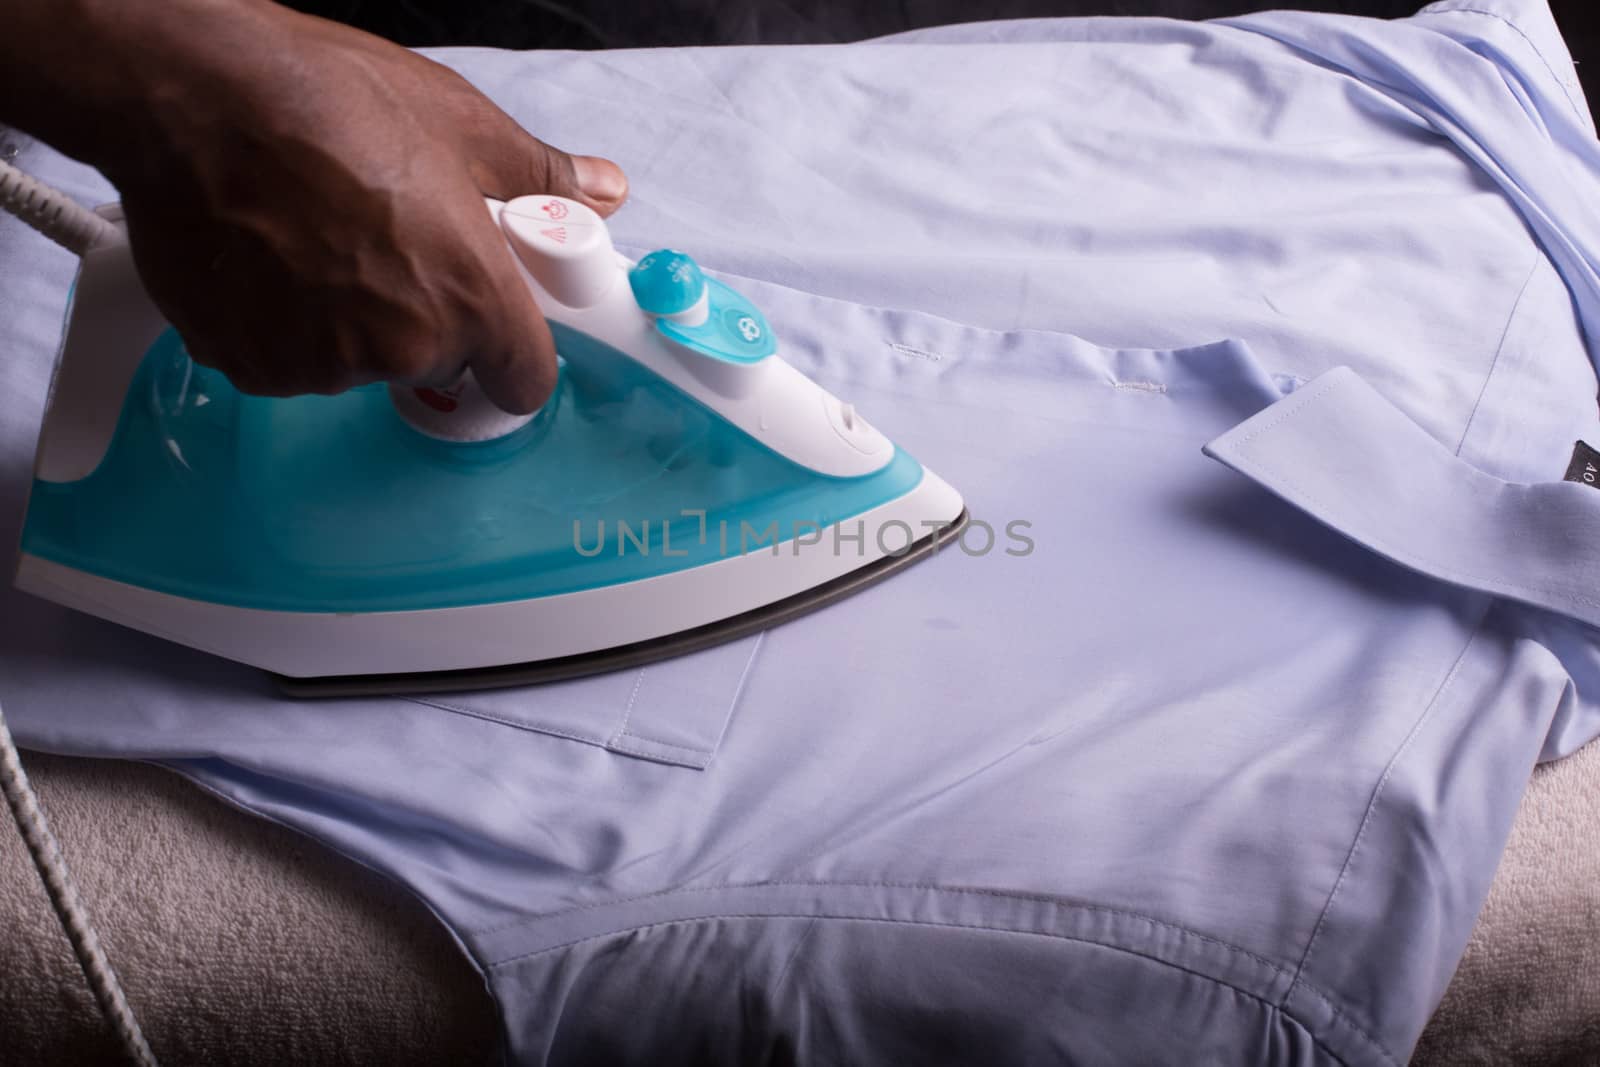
{"points": [[1271, 330]]}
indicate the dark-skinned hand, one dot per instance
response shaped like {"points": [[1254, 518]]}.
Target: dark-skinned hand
{"points": [[305, 202]]}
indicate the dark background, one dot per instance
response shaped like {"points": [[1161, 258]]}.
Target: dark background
{"points": [[641, 23]]}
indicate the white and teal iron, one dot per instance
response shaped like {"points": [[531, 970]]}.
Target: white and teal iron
{"points": [[684, 485]]}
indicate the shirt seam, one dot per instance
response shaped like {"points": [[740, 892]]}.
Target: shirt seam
{"points": [[627, 711], [1342, 1020], [627, 732], [503, 720], [1039, 898], [1373, 803], [1080, 906], [1499, 349], [617, 742], [1520, 32]]}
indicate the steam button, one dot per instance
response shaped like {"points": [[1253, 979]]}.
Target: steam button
{"points": [[670, 284], [564, 245]]}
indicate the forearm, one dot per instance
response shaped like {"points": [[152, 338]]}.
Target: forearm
{"points": [[89, 76]]}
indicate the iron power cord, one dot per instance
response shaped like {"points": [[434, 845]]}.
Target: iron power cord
{"points": [[75, 227], [63, 892], [50, 211]]}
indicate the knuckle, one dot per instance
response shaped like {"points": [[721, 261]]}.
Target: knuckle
{"points": [[407, 351], [409, 362], [559, 176]]}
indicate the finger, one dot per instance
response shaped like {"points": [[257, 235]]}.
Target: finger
{"points": [[516, 363], [514, 163]]}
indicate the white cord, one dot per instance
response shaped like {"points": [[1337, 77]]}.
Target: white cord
{"points": [[52, 867], [76, 228], [50, 211]]}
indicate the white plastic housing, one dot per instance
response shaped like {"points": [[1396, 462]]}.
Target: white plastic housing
{"points": [[111, 325]]}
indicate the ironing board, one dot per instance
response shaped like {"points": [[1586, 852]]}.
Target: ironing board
{"points": [[813, 260]]}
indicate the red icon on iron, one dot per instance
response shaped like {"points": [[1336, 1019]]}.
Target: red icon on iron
{"points": [[555, 209], [558, 234], [443, 400]]}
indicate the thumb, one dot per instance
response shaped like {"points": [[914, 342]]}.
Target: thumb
{"points": [[514, 163]]}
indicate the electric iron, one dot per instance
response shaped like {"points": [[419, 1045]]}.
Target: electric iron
{"points": [[684, 485]]}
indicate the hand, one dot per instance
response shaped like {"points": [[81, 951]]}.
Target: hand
{"points": [[305, 204]]}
